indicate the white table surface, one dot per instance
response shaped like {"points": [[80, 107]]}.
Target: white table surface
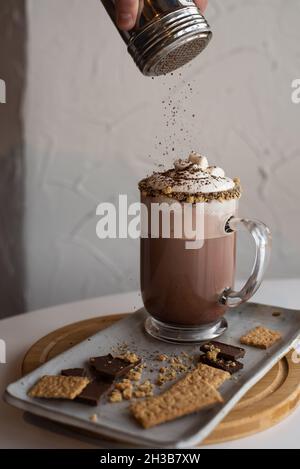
{"points": [[20, 332]]}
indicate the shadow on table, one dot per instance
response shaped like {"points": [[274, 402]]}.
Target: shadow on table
{"points": [[68, 431]]}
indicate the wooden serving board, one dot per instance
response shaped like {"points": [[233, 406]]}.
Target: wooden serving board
{"points": [[267, 403]]}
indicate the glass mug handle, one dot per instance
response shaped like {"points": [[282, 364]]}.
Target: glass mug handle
{"points": [[262, 237]]}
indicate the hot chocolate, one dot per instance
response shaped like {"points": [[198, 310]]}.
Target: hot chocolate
{"points": [[183, 286], [187, 276]]}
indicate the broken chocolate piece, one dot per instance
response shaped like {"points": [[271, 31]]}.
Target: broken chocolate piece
{"points": [[74, 372], [232, 366], [93, 392], [111, 367], [226, 351]]}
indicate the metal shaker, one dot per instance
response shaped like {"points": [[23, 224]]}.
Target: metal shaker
{"points": [[167, 34]]}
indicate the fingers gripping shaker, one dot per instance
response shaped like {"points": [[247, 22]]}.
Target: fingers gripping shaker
{"points": [[167, 34]]}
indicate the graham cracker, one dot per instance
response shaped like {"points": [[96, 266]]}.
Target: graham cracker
{"points": [[202, 372], [181, 399], [59, 387], [129, 357], [260, 337]]}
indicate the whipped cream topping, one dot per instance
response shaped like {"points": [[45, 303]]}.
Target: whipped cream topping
{"points": [[191, 176]]}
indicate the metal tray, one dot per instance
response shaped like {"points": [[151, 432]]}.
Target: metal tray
{"points": [[114, 420]]}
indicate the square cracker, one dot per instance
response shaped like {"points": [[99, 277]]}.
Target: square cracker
{"points": [[202, 372], [181, 399], [260, 337], [59, 387]]}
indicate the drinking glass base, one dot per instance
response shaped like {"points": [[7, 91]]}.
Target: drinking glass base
{"points": [[184, 334]]}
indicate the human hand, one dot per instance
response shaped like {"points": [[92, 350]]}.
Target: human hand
{"points": [[127, 12]]}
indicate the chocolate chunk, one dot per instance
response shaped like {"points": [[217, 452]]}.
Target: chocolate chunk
{"points": [[93, 391], [276, 314], [232, 366], [74, 372], [226, 351], [111, 367]]}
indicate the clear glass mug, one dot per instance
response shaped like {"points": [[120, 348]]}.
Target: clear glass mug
{"points": [[187, 291]]}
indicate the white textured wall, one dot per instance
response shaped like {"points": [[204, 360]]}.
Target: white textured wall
{"points": [[92, 118]]}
